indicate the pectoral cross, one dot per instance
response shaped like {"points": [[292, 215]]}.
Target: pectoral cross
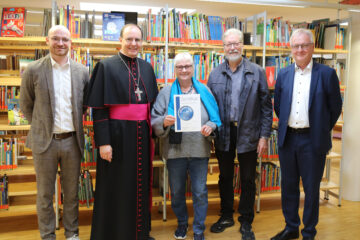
{"points": [[138, 92]]}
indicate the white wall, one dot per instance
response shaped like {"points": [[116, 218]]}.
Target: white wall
{"points": [[351, 129]]}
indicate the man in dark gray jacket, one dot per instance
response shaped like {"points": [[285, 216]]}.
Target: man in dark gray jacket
{"points": [[241, 91]]}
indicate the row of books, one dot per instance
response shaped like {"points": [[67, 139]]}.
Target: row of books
{"points": [[272, 146], [90, 152], [339, 67], [185, 28], [204, 63], [326, 34], [13, 62], [86, 190], [8, 153], [270, 177], [5, 94], [87, 117], [84, 58], [77, 27], [4, 196], [278, 32]]}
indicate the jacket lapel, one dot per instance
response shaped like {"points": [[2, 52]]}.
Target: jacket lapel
{"points": [[248, 79], [74, 90], [313, 83], [50, 83], [291, 79]]}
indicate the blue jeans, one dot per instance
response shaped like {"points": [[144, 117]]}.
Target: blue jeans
{"points": [[197, 169]]}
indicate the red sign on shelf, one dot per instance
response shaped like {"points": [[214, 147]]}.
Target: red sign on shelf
{"points": [[13, 22]]}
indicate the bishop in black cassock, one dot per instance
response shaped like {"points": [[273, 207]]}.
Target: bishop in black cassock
{"points": [[123, 185]]}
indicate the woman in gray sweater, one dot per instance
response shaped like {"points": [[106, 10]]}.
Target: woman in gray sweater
{"points": [[186, 152]]}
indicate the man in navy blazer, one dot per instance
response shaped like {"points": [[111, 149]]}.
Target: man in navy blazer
{"points": [[308, 103]]}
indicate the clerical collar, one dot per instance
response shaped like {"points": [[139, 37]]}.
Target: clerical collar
{"points": [[126, 58]]}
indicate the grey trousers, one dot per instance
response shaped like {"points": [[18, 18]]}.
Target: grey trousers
{"points": [[65, 152]]}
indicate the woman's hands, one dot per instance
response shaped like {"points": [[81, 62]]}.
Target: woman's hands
{"points": [[206, 130], [169, 121]]}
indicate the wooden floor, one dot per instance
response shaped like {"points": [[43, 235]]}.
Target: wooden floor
{"points": [[335, 223]]}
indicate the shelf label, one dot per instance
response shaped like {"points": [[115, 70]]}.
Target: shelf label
{"points": [[341, 56]]}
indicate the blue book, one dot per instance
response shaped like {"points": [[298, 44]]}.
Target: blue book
{"points": [[112, 25]]}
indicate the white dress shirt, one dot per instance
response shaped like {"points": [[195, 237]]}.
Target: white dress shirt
{"points": [[62, 88], [299, 113]]}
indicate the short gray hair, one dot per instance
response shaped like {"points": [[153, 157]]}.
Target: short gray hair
{"points": [[58, 27], [300, 31], [183, 56], [233, 31]]}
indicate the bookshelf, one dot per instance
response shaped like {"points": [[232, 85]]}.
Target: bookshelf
{"points": [[27, 45]]}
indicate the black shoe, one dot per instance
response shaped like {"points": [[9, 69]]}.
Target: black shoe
{"points": [[151, 238], [286, 235], [246, 231], [308, 238], [221, 224]]}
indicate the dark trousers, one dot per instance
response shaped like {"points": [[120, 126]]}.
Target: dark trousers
{"points": [[247, 162], [298, 159]]}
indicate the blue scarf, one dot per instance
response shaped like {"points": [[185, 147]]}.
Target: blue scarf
{"points": [[206, 97]]}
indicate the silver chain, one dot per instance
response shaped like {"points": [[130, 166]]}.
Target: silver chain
{"points": [[138, 67]]}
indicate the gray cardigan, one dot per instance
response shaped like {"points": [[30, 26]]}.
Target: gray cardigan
{"points": [[193, 144]]}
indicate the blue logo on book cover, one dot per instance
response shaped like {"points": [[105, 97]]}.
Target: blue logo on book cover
{"points": [[186, 113]]}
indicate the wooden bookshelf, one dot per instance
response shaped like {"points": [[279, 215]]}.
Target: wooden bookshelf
{"points": [[24, 168], [6, 127], [10, 81]]}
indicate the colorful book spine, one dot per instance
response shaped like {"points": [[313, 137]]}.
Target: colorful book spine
{"points": [[89, 158], [4, 196], [8, 154], [85, 189], [272, 147]]}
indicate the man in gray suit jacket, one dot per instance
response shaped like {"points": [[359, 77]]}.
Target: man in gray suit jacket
{"points": [[51, 98]]}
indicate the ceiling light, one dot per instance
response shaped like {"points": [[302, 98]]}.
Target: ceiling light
{"points": [[277, 3]]}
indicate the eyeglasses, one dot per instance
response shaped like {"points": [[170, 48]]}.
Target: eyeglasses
{"points": [[229, 45], [58, 39], [186, 67], [304, 46], [131, 40]]}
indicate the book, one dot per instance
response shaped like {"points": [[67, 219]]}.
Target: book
{"points": [[23, 63], [13, 22], [15, 116], [330, 35], [270, 75], [112, 25], [187, 109]]}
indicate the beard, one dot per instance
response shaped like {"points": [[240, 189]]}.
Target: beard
{"points": [[233, 58]]}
